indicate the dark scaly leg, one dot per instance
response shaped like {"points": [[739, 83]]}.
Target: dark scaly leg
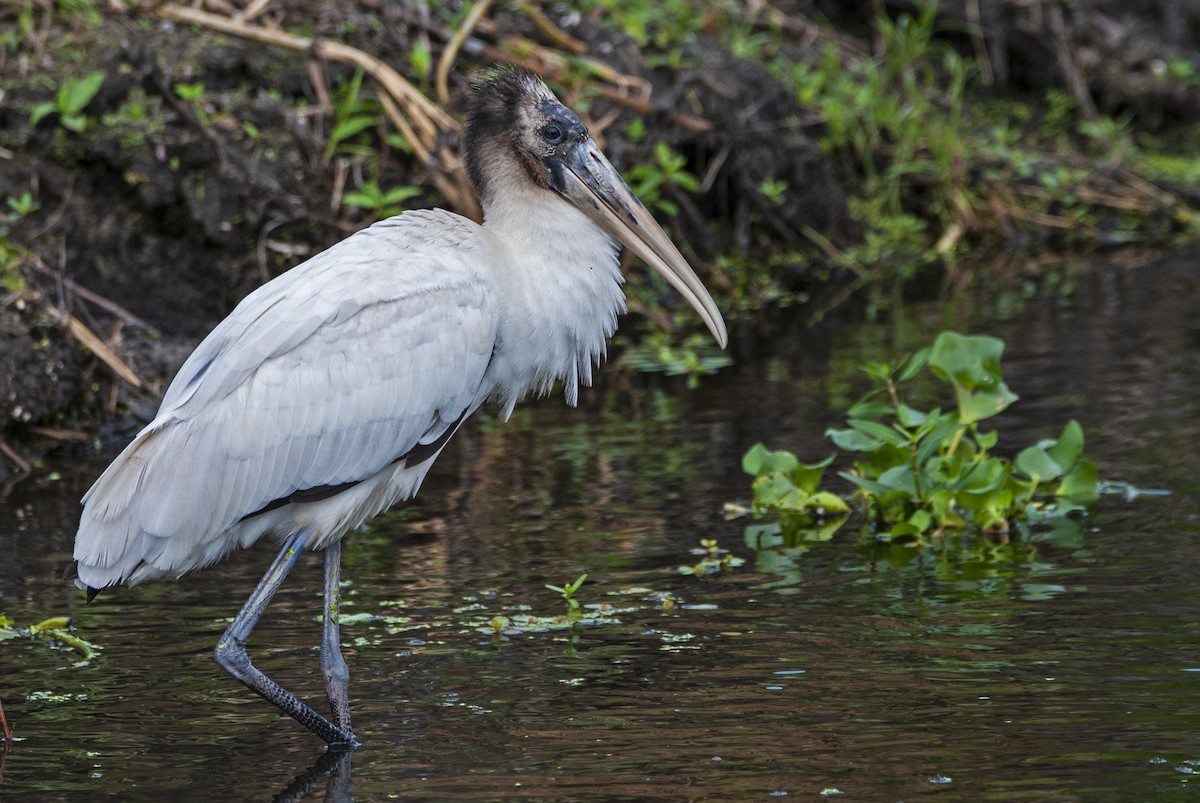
{"points": [[231, 650], [333, 666]]}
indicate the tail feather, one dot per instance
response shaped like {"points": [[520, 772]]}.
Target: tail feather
{"points": [[72, 573]]}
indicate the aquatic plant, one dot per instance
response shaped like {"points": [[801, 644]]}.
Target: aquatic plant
{"points": [[567, 591], [54, 632], [714, 559], [919, 473]]}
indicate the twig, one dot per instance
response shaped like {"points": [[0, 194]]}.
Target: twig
{"points": [[548, 29], [458, 193], [1040, 218], [551, 64], [21, 463], [450, 51], [1066, 61], [1139, 184], [1091, 196], [552, 69], [253, 11], [58, 213], [8, 737], [427, 122], [979, 43], [68, 435], [94, 344], [86, 294]]}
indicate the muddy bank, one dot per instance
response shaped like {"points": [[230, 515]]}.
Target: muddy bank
{"points": [[208, 161]]}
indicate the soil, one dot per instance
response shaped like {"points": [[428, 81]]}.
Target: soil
{"points": [[174, 210]]}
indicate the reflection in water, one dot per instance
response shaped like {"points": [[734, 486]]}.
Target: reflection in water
{"points": [[332, 769], [1053, 666]]}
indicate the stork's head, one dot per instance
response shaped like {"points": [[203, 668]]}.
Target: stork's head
{"points": [[517, 131]]}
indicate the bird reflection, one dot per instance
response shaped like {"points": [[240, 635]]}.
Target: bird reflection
{"points": [[332, 767]]}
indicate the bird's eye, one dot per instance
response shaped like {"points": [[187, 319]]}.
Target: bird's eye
{"points": [[553, 133]]}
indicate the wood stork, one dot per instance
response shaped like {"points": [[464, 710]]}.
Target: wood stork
{"points": [[327, 393]]}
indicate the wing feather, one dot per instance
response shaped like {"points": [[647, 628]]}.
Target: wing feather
{"points": [[323, 376]]}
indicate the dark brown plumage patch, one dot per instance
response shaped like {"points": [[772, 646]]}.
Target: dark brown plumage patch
{"points": [[505, 109]]}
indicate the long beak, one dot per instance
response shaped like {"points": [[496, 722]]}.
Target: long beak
{"points": [[587, 179]]}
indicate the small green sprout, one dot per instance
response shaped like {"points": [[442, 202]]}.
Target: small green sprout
{"points": [[574, 614], [22, 206], [381, 203], [69, 102]]}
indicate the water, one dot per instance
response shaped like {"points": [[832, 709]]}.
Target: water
{"points": [[1065, 667]]}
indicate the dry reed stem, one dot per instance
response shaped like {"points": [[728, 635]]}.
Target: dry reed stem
{"points": [[88, 339], [450, 51], [426, 124]]}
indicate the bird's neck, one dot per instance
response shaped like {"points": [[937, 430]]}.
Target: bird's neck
{"points": [[561, 283]]}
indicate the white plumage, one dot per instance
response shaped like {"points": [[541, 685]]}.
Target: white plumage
{"points": [[337, 368], [327, 393]]}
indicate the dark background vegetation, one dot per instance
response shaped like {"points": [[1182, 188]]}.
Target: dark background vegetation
{"points": [[158, 162]]}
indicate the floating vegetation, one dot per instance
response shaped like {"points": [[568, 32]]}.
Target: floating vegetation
{"points": [[53, 633], [921, 473], [714, 560]]}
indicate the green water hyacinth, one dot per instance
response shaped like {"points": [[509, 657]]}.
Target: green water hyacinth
{"points": [[919, 472], [790, 490]]}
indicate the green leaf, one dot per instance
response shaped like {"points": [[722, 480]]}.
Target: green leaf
{"points": [[987, 440], [970, 361], [976, 405], [882, 432], [921, 520], [361, 199], [776, 491], [807, 476], [972, 365], [879, 371], [940, 431], [73, 122], [760, 460], [909, 417], [685, 180], [899, 478], [351, 126], [825, 504], [795, 533], [39, 112], [914, 364], [419, 56], [985, 476], [399, 142], [852, 440], [903, 529], [753, 459], [1069, 446], [1037, 464], [398, 195], [1081, 483], [74, 96], [869, 408], [190, 91], [867, 484]]}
